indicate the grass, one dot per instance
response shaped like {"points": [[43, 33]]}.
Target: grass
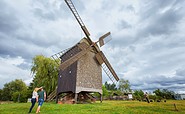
{"points": [[107, 107]]}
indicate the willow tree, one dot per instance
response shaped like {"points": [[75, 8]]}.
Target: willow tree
{"points": [[124, 85], [45, 71]]}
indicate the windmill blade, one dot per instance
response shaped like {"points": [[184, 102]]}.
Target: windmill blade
{"points": [[80, 22], [107, 66], [78, 18], [104, 39], [84, 49], [56, 56]]}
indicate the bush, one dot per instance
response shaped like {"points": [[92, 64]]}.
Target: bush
{"points": [[154, 97], [138, 98], [158, 98], [20, 96]]}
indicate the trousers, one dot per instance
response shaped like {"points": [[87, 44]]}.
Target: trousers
{"points": [[33, 101]]}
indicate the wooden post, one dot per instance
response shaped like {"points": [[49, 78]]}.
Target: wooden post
{"points": [[56, 99], [101, 98], [76, 96], [175, 107]]}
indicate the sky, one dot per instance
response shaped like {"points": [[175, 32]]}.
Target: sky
{"points": [[147, 46]]}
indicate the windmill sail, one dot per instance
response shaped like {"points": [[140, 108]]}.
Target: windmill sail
{"points": [[107, 66], [56, 56], [78, 18], [104, 39]]}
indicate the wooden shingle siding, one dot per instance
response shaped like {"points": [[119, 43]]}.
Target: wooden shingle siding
{"points": [[89, 73]]}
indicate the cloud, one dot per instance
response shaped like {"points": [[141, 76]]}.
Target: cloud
{"points": [[160, 17], [8, 20], [9, 70], [147, 45], [150, 51], [51, 10]]}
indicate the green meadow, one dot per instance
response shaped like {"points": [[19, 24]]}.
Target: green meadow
{"points": [[106, 107]]}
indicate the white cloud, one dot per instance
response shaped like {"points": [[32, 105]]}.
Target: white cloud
{"points": [[147, 45], [10, 71]]}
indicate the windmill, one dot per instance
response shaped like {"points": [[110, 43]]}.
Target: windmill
{"points": [[81, 65]]}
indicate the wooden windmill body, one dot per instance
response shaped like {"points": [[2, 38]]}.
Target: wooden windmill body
{"points": [[84, 75], [81, 66]]}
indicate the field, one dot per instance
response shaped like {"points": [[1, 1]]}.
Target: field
{"points": [[107, 107]]}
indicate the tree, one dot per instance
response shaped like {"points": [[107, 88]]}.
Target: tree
{"points": [[110, 86], [165, 93], [138, 94], [124, 85], [1, 91], [158, 92], [168, 94], [104, 90], [12, 87], [21, 96], [46, 73]]}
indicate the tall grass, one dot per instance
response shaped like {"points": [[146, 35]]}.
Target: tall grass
{"points": [[107, 107]]}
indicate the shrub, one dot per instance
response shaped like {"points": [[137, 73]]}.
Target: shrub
{"points": [[20, 96], [154, 97]]}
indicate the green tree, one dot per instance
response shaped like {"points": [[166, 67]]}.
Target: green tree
{"points": [[1, 91], [105, 91], [165, 93], [124, 85], [154, 97], [21, 96], [138, 94], [168, 94], [158, 92], [12, 87], [110, 86], [45, 72]]}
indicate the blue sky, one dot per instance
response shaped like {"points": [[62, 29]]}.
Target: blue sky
{"points": [[147, 46]]}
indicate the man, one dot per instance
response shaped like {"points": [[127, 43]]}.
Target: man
{"points": [[42, 98], [147, 97]]}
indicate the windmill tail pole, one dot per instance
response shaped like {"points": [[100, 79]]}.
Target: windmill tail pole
{"points": [[175, 107]]}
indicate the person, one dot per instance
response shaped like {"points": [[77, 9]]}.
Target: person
{"points": [[147, 97], [164, 99], [41, 99], [34, 99]]}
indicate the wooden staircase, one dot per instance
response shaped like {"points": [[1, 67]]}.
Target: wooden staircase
{"points": [[52, 95]]}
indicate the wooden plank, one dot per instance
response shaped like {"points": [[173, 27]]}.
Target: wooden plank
{"points": [[83, 45], [99, 58], [74, 58], [85, 31], [67, 79]]}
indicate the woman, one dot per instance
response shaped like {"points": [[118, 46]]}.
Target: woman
{"points": [[34, 98]]}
